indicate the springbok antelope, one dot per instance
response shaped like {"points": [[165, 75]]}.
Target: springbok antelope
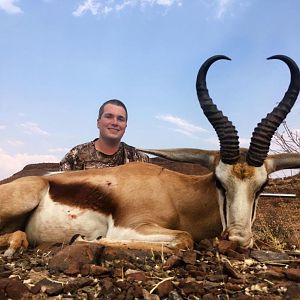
{"points": [[148, 205]]}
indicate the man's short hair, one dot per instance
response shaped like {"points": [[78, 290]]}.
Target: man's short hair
{"points": [[114, 102]]}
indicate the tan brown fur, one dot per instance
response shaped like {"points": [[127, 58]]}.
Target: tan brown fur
{"points": [[14, 241], [144, 197], [139, 200], [243, 171]]}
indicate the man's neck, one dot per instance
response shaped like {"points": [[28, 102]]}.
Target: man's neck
{"points": [[107, 147]]}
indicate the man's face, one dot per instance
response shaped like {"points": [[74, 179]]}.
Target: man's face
{"points": [[112, 123]]}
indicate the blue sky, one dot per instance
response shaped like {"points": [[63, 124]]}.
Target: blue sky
{"points": [[60, 59]]}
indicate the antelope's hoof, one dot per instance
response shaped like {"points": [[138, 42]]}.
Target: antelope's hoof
{"points": [[9, 252]]}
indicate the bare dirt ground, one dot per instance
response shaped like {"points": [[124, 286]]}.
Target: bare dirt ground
{"points": [[215, 269]]}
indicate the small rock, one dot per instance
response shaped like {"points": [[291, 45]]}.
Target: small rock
{"points": [[51, 288], [5, 274], [107, 283], [217, 278], [244, 251], [164, 288], [189, 257], [209, 296], [192, 288], [293, 292], [230, 270], [138, 292], [77, 283], [232, 287], [174, 296], [224, 246], [293, 274], [55, 289], [135, 275], [148, 296], [268, 256], [236, 255], [294, 239], [172, 261], [85, 269], [205, 245], [12, 288], [98, 270], [274, 273], [72, 269], [130, 293], [73, 257]]}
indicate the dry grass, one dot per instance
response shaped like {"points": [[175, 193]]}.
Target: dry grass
{"points": [[277, 224]]}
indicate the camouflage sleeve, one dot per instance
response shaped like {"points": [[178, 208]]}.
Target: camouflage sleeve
{"points": [[70, 161], [142, 157], [132, 154], [65, 164]]}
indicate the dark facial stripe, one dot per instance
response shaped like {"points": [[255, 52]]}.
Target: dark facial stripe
{"points": [[253, 209], [256, 198], [261, 189], [222, 190], [83, 195]]}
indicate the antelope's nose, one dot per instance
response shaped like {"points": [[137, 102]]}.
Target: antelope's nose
{"points": [[241, 238]]}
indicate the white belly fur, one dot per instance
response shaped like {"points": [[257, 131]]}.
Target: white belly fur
{"points": [[55, 222]]}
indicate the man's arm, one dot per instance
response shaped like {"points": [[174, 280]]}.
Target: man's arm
{"points": [[132, 154], [142, 157], [70, 161]]}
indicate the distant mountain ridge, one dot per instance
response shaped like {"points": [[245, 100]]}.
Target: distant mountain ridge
{"points": [[40, 169]]}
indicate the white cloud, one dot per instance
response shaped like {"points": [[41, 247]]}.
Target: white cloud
{"points": [[33, 128], [10, 164], [182, 126], [2, 127], [88, 5], [222, 7], [169, 2], [228, 7], [160, 2], [244, 143], [59, 150], [15, 143], [213, 140], [10, 7], [103, 7], [123, 5]]}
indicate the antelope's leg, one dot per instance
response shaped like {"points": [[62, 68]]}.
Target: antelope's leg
{"points": [[17, 199], [21, 196], [174, 239], [14, 240], [148, 237]]}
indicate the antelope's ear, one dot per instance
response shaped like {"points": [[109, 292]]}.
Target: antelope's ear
{"points": [[282, 161], [205, 158]]}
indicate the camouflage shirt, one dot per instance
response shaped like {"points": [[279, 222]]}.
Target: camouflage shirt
{"points": [[85, 156]]}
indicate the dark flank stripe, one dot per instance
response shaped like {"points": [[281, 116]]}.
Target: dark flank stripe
{"points": [[83, 195]]}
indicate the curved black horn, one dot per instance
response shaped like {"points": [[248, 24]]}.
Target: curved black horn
{"points": [[263, 133], [227, 134]]}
